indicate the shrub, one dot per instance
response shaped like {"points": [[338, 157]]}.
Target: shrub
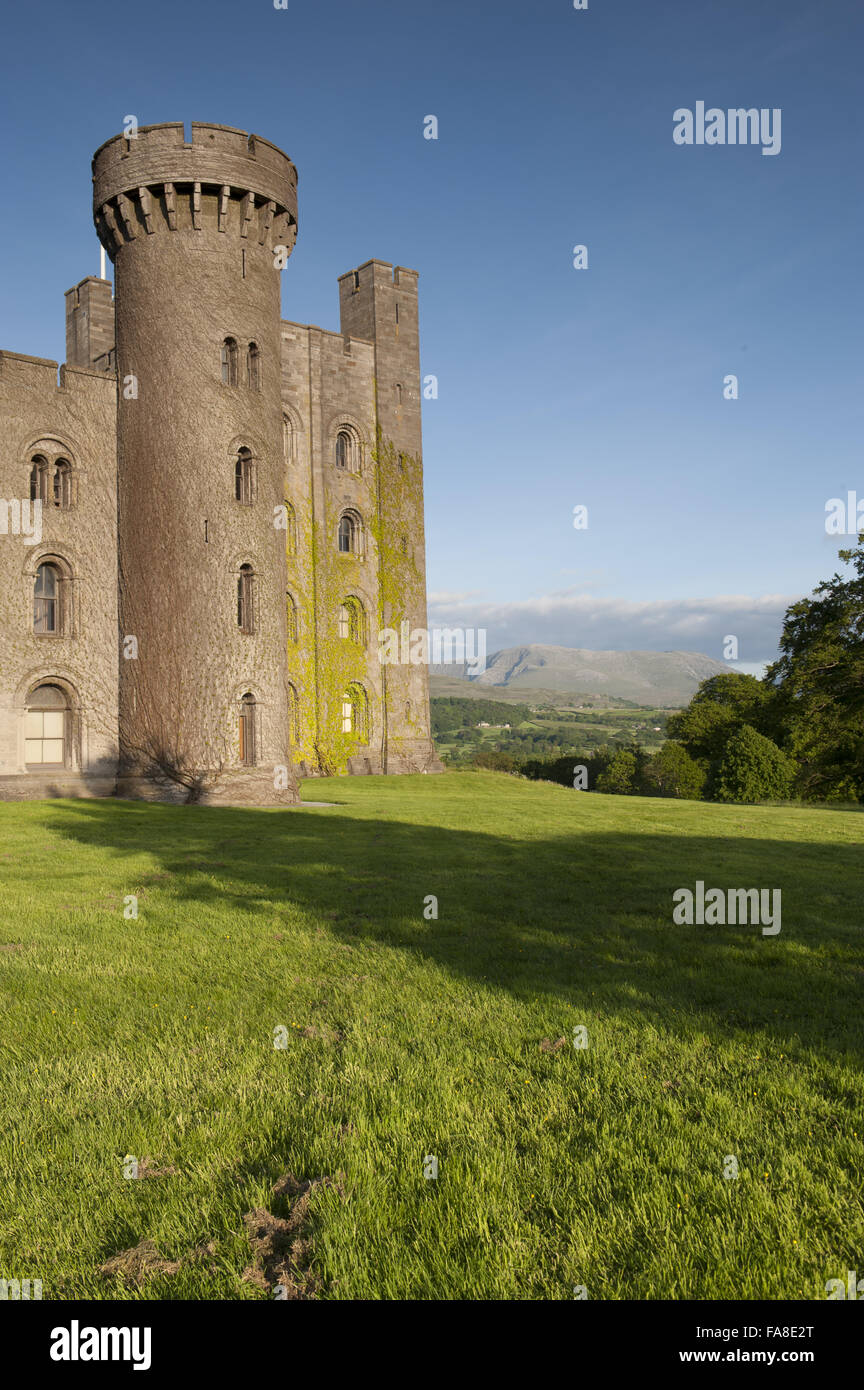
{"points": [[672, 772], [497, 762], [752, 769]]}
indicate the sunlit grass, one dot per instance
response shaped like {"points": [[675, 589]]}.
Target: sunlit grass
{"points": [[409, 1037]]}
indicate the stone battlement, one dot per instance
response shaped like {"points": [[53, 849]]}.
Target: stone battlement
{"points": [[156, 179]]}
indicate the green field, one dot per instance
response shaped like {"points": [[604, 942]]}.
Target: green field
{"points": [[409, 1038], [561, 731]]}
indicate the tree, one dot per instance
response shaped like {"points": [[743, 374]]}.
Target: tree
{"points": [[620, 775], [721, 706], [672, 772], [752, 769], [496, 761], [818, 684]]}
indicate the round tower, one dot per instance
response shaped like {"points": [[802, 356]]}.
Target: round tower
{"points": [[192, 228]]}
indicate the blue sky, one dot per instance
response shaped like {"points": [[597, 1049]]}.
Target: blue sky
{"points": [[557, 387]]}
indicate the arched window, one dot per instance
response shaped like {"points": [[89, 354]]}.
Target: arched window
{"points": [[287, 439], [350, 535], [398, 393], [244, 481], [293, 715], [345, 451], [290, 529], [46, 600], [354, 712], [39, 479], [62, 484], [46, 727], [246, 600], [291, 612], [253, 367], [229, 361], [351, 621], [247, 730]]}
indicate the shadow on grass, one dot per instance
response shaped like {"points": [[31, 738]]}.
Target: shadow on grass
{"points": [[570, 915]]}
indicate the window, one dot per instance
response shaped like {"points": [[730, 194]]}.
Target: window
{"points": [[398, 393], [287, 439], [253, 368], [346, 535], [229, 362], [46, 727], [350, 535], [46, 600], [347, 715], [244, 489], [353, 714], [290, 529], [39, 478], [62, 484], [293, 715], [52, 479], [291, 611], [247, 730], [344, 450], [246, 600], [351, 621], [348, 449]]}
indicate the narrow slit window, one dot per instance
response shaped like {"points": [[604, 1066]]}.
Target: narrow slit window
{"points": [[247, 730], [243, 481], [253, 368], [46, 600], [229, 362], [39, 480], [344, 450], [245, 600], [346, 535]]}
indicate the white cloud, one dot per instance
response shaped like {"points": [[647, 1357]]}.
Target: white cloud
{"points": [[575, 619]]}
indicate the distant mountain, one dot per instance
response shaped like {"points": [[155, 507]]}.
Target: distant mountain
{"points": [[645, 678]]}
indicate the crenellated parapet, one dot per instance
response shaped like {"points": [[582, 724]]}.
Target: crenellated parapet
{"points": [[222, 179]]}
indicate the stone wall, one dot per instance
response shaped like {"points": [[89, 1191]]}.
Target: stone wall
{"points": [[148, 431], [72, 418]]}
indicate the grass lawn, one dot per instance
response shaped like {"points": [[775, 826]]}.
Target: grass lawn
{"points": [[407, 1037]]}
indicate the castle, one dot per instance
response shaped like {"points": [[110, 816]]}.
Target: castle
{"points": [[210, 513]]}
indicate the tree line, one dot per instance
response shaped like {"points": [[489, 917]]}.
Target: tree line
{"points": [[798, 732]]}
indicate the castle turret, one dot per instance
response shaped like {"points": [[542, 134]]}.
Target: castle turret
{"points": [[378, 302], [90, 324], [192, 228]]}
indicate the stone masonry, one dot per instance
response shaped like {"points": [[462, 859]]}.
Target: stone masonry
{"points": [[231, 504]]}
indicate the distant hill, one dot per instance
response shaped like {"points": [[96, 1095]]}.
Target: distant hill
{"points": [[557, 699], [543, 674]]}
